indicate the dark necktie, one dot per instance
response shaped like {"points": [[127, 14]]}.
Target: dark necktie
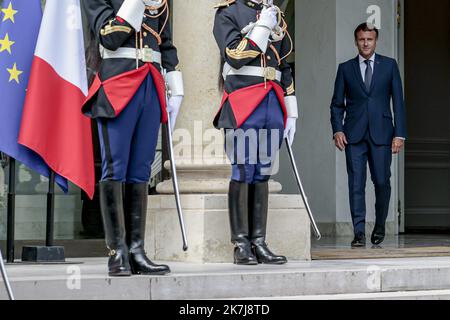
{"points": [[369, 75]]}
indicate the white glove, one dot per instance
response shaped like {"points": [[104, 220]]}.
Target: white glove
{"points": [[132, 11], [268, 18], [173, 107], [260, 33], [289, 132]]}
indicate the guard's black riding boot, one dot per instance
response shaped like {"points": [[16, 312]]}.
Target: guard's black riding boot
{"points": [[258, 208], [111, 204], [238, 213], [136, 197]]}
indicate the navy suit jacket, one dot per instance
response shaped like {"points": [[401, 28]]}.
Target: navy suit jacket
{"points": [[369, 110]]}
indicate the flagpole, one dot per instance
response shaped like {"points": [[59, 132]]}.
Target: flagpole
{"points": [[50, 211], [5, 278], [11, 211], [49, 252]]}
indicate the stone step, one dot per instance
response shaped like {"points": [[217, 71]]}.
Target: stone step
{"points": [[358, 279], [400, 295]]}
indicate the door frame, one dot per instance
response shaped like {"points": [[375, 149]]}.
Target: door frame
{"points": [[400, 160]]}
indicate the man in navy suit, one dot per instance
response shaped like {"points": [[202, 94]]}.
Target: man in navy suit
{"points": [[363, 127]]}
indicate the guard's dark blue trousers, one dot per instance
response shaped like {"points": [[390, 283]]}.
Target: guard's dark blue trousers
{"points": [[253, 148], [379, 158], [128, 142]]}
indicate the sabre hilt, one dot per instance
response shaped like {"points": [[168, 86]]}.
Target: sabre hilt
{"points": [[164, 74]]}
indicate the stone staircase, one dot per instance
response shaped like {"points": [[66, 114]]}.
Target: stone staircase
{"points": [[412, 278]]}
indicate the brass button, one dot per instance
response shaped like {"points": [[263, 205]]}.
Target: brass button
{"points": [[146, 46], [268, 58], [145, 34]]}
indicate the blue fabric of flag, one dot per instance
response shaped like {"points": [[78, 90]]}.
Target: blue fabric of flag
{"points": [[19, 29]]}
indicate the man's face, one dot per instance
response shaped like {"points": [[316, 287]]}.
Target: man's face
{"points": [[366, 41]]}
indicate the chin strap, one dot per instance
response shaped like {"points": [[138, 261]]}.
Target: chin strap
{"points": [[154, 13]]}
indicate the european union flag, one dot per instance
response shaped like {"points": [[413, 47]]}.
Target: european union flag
{"points": [[20, 21]]}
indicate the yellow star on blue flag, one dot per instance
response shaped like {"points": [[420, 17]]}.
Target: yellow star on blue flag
{"points": [[9, 13], [5, 44], [14, 74]]}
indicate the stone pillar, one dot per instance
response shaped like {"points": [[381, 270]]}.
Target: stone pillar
{"points": [[202, 167]]}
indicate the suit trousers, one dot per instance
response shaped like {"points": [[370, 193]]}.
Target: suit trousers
{"points": [[379, 158], [253, 148], [128, 142]]}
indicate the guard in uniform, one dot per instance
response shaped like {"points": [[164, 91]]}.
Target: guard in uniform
{"points": [[259, 101], [128, 100]]}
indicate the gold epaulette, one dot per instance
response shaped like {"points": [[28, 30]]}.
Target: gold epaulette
{"points": [[227, 3]]}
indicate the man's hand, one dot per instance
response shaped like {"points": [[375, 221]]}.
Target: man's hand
{"points": [[397, 145], [340, 140]]}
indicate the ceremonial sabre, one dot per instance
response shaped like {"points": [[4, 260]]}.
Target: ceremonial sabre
{"points": [[5, 278], [174, 175], [302, 191]]}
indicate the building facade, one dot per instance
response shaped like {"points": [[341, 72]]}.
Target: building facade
{"points": [[415, 32]]}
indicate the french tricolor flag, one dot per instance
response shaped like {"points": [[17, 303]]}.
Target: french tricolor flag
{"points": [[52, 122]]}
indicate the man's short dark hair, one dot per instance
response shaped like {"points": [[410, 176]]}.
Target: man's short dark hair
{"points": [[366, 27]]}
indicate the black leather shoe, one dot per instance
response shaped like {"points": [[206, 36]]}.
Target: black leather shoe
{"points": [[135, 205], [359, 241], [265, 256], [378, 235], [118, 265], [111, 204], [142, 265], [243, 254], [258, 207], [238, 214]]}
